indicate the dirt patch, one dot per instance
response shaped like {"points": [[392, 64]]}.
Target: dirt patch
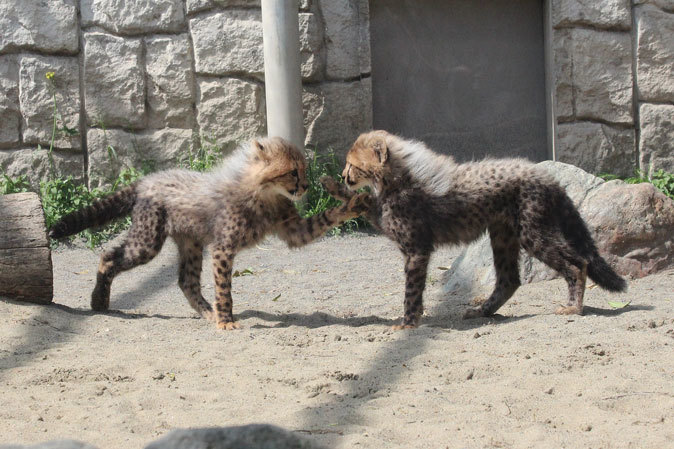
{"points": [[316, 356]]}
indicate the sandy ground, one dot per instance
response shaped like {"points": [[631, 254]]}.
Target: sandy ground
{"points": [[316, 356]]}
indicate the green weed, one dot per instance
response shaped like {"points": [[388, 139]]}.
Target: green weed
{"points": [[660, 179], [317, 199], [13, 185]]}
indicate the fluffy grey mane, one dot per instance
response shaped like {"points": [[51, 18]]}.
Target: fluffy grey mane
{"points": [[432, 171]]}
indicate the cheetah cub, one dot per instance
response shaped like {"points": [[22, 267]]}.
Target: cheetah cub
{"points": [[233, 207], [424, 199]]}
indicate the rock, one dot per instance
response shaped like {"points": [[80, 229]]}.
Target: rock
{"points": [[158, 150], [114, 81], [336, 113], [614, 14], [655, 54], [631, 224], [170, 89], [10, 115], [597, 148], [38, 95], [48, 26], [230, 110], [134, 16], [602, 75], [35, 164], [342, 24], [252, 436], [228, 42], [657, 137], [60, 444]]}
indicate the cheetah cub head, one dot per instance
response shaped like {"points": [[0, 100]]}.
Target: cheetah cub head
{"points": [[280, 168], [366, 161]]}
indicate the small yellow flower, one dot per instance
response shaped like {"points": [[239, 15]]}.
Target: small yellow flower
{"points": [[50, 76]]}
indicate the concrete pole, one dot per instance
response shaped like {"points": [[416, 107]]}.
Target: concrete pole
{"points": [[283, 81]]}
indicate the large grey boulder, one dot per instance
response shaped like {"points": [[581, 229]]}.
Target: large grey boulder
{"points": [[633, 227], [252, 436]]}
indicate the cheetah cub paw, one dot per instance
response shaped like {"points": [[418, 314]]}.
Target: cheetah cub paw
{"points": [[228, 325], [335, 189]]}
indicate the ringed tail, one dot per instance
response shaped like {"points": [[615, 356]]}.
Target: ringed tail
{"points": [[99, 213]]}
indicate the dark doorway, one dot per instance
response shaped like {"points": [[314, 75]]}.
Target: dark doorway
{"points": [[467, 77]]}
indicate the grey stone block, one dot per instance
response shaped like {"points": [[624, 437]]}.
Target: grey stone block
{"points": [[194, 6], [230, 110], [159, 149], [38, 96], [614, 14], [114, 81], [656, 142], [602, 75], [311, 47], [655, 54], [342, 30], [35, 164], [134, 16], [170, 79], [335, 113], [228, 42], [10, 115], [563, 67], [49, 26], [666, 5], [597, 148]]}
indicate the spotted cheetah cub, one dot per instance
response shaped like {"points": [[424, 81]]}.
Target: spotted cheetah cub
{"points": [[233, 207], [424, 200]]}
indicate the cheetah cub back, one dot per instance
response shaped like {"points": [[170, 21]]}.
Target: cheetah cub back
{"points": [[234, 206]]}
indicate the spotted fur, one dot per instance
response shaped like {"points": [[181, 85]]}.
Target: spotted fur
{"points": [[424, 199], [228, 209]]}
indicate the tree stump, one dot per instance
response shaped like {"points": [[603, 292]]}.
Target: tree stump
{"points": [[25, 257]]}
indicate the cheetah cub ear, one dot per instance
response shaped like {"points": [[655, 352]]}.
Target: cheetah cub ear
{"points": [[260, 151], [380, 149]]}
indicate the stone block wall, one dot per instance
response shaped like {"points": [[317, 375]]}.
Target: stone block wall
{"points": [[146, 81], [614, 88], [139, 81]]}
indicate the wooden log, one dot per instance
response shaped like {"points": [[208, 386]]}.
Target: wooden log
{"points": [[25, 257]]}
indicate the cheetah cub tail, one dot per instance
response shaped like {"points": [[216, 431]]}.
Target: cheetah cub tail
{"points": [[100, 212]]}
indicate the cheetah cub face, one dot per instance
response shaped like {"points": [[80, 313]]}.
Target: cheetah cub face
{"points": [[366, 161], [281, 168]]}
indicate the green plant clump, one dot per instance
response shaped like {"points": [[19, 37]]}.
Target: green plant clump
{"points": [[660, 179], [13, 185]]}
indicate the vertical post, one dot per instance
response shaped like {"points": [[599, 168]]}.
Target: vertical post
{"points": [[283, 81]]}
